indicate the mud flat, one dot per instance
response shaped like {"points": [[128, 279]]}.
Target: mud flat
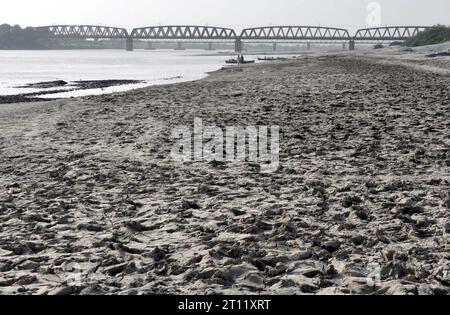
{"points": [[92, 203], [43, 89]]}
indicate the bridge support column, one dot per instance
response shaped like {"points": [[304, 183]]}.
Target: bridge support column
{"points": [[351, 44], [179, 46], [210, 46], [129, 44], [344, 45], [238, 45], [150, 46], [308, 45], [274, 46]]}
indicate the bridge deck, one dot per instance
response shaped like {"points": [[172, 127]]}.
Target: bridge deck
{"points": [[184, 32], [213, 33], [295, 33]]}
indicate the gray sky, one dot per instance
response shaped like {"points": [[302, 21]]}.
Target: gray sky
{"points": [[238, 14]]}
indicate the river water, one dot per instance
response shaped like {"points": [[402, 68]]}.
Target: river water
{"points": [[18, 68]]}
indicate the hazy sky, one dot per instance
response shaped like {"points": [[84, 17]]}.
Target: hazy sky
{"points": [[232, 13]]}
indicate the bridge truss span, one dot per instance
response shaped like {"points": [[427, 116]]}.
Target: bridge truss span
{"points": [[392, 33], [295, 33], [273, 34], [83, 31], [184, 32]]}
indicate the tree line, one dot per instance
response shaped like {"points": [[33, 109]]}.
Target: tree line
{"points": [[15, 37], [435, 35]]}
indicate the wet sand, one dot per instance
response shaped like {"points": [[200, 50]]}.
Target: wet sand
{"points": [[43, 89], [91, 202]]}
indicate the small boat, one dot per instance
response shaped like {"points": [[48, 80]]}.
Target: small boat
{"points": [[234, 61], [231, 61], [239, 60]]}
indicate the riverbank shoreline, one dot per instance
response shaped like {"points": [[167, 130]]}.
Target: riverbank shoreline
{"points": [[48, 88], [21, 68], [399, 55], [92, 202]]}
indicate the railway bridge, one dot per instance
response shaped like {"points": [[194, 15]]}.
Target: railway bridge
{"points": [[273, 34]]}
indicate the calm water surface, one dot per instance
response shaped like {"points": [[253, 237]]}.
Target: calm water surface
{"points": [[18, 68]]}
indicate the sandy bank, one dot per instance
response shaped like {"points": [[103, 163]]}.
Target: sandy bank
{"points": [[91, 202]]}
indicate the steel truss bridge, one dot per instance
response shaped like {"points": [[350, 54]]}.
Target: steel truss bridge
{"points": [[184, 32], [294, 33], [392, 33], [82, 31], [273, 34]]}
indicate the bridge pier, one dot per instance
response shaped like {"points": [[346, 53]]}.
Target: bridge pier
{"points": [[179, 46], [238, 45], [351, 44], [274, 46], [129, 44], [150, 46], [210, 46], [344, 45], [308, 45]]}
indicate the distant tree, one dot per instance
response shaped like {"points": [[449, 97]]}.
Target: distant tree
{"points": [[15, 37], [5, 36], [435, 35]]}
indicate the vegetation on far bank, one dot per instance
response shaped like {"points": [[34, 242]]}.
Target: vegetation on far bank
{"points": [[14, 37], [435, 35]]}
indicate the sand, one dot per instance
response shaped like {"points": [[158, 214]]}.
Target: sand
{"points": [[92, 203]]}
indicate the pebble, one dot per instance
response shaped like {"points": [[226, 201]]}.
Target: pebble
{"points": [[279, 270], [254, 282], [322, 254], [392, 254], [190, 204], [258, 263], [362, 214], [332, 246], [29, 265], [304, 255], [388, 254], [358, 240], [446, 199], [206, 273], [26, 280], [350, 201], [90, 227], [6, 266], [158, 254], [116, 269], [312, 273], [409, 206], [93, 291], [62, 291], [237, 212], [338, 265], [195, 260], [309, 288]]}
